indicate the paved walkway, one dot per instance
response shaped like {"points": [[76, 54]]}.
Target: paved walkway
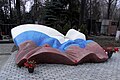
{"points": [[6, 49], [109, 70], [3, 59]]}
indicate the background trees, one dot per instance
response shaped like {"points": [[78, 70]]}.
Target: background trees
{"points": [[59, 14]]}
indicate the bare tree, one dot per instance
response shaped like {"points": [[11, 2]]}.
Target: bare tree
{"points": [[110, 9], [92, 9]]}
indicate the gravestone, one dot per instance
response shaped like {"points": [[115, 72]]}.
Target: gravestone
{"points": [[117, 38]]}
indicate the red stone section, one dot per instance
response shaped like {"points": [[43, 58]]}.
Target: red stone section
{"points": [[28, 50]]}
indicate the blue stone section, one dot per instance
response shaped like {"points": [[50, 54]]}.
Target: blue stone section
{"points": [[40, 39]]}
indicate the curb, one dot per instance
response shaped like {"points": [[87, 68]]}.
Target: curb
{"points": [[5, 53]]}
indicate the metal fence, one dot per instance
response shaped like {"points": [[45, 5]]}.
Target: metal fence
{"points": [[5, 30]]}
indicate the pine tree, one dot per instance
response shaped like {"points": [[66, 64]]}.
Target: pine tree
{"points": [[53, 13], [62, 12]]}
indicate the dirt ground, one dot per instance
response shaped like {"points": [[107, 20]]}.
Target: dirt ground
{"points": [[105, 41]]}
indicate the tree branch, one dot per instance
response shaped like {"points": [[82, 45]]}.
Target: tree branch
{"points": [[106, 1], [112, 1]]}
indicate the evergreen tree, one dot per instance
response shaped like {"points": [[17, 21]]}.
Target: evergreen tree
{"points": [[18, 11], [61, 12], [1, 16], [53, 13]]}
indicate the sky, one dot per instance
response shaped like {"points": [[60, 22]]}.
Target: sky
{"points": [[28, 4], [118, 4]]}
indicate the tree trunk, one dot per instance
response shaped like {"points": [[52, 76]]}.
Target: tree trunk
{"points": [[82, 10], [35, 9], [108, 10], [10, 11], [18, 11], [14, 3]]}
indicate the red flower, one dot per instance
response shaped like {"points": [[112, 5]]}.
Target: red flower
{"points": [[116, 49], [3, 33], [111, 49], [26, 64], [30, 64], [76, 61], [46, 45]]}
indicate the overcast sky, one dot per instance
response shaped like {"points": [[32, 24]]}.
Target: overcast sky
{"points": [[28, 4]]}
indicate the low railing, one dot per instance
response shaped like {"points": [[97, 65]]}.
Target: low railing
{"points": [[5, 31]]}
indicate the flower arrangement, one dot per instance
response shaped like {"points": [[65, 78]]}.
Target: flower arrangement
{"points": [[109, 51], [116, 49], [30, 65]]}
